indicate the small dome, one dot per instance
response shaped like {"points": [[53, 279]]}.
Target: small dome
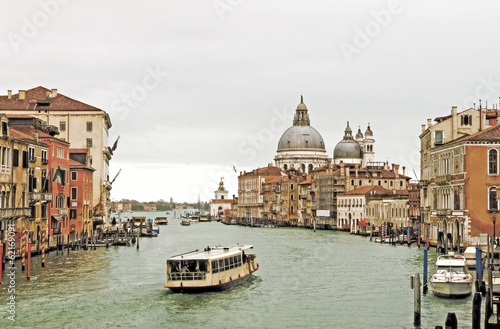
{"points": [[368, 132], [359, 134], [301, 106], [301, 137], [348, 149]]}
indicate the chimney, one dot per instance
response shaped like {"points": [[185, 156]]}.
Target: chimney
{"points": [[423, 128], [404, 170], [9, 94], [396, 170], [22, 94], [36, 136], [429, 123], [54, 93], [454, 123], [356, 165]]}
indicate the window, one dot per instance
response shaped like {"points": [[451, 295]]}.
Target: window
{"points": [[31, 151], [15, 158], [493, 162], [438, 138], [74, 193], [493, 204], [74, 175], [60, 152], [72, 214], [89, 142], [4, 128], [89, 125], [62, 126]]}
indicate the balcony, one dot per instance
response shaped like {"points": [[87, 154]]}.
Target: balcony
{"points": [[443, 212], [45, 161], [15, 212], [443, 179], [38, 196], [32, 159], [423, 183], [56, 231], [63, 211]]}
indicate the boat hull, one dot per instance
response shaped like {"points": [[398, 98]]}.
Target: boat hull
{"points": [[452, 289], [218, 287]]}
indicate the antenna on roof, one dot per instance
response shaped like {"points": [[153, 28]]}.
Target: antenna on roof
{"points": [[474, 106], [480, 106], [301, 99]]}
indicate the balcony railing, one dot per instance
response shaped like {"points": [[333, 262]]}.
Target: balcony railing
{"points": [[63, 211], [56, 231]]}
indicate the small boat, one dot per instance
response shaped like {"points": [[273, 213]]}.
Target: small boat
{"points": [[185, 222], [204, 218], [194, 218], [211, 269], [470, 257], [161, 221], [451, 278]]}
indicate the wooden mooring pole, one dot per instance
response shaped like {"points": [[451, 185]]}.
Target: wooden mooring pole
{"points": [[426, 249], [476, 311], [451, 321], [416, 300]]}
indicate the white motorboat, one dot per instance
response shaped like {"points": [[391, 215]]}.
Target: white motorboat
{"points": [[452, 278]]}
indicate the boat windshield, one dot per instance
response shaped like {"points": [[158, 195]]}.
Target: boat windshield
{"points": [[453, 269], [187, 269]]}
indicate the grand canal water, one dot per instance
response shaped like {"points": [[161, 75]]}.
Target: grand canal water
{"points": [[322, 279]]}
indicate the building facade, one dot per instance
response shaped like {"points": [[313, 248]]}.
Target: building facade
{"points": [[80, 124]]}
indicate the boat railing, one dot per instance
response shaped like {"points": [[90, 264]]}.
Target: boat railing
{"points": [[187, 276]]}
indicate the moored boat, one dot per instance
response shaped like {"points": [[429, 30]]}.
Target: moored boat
{"points": [[451, 278], [210, 269], [161, 221], [185, 222]]}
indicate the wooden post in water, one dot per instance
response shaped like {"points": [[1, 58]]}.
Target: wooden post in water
{"points": [[107, 238], [416, 300], [476, 311], [371, 232], [479, 268], [314, 225], [44, 246], [451, 321], [408, 235], [28, 274], [1, 254], [23, 248], [426, 249], [418, 235], [139, 234]]}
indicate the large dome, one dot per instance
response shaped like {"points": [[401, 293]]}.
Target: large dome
{"points": [[301, 137]]}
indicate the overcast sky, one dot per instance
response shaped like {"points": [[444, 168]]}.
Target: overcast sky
{"points": [[194, 87]]}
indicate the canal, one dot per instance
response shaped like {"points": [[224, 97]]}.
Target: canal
{"points": [[322, 279]]}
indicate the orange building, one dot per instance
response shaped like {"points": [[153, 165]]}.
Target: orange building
{"points": [[81, 183]]}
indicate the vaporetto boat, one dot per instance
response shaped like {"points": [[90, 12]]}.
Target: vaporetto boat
{"points": [[451, 278], [210, 269]]}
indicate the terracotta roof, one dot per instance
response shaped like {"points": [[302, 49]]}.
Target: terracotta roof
{"points": [[16, 134], [377, 189], [224, 201], [491, 134], [270, 170], [39, 94]]}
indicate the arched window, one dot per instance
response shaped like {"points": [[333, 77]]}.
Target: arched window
{"points": [[379, 183], [360, 183], [291, 209], [303, 167], [493, 204], [285, 167], [352, 181], [493, 162], [310, 168], [291, 197]]}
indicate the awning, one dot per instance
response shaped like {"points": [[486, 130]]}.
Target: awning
{"points": [[57, 217], [362, 222]]}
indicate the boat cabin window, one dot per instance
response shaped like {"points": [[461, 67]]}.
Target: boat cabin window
{"points": [[187, 269], [453, 269], [225, 264]]}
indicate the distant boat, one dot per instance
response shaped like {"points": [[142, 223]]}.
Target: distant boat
{"points": [[185, 222], [161, 221], [204, 218]]}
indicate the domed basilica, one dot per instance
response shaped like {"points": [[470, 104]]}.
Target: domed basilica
{"points": [[301, 146]]}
